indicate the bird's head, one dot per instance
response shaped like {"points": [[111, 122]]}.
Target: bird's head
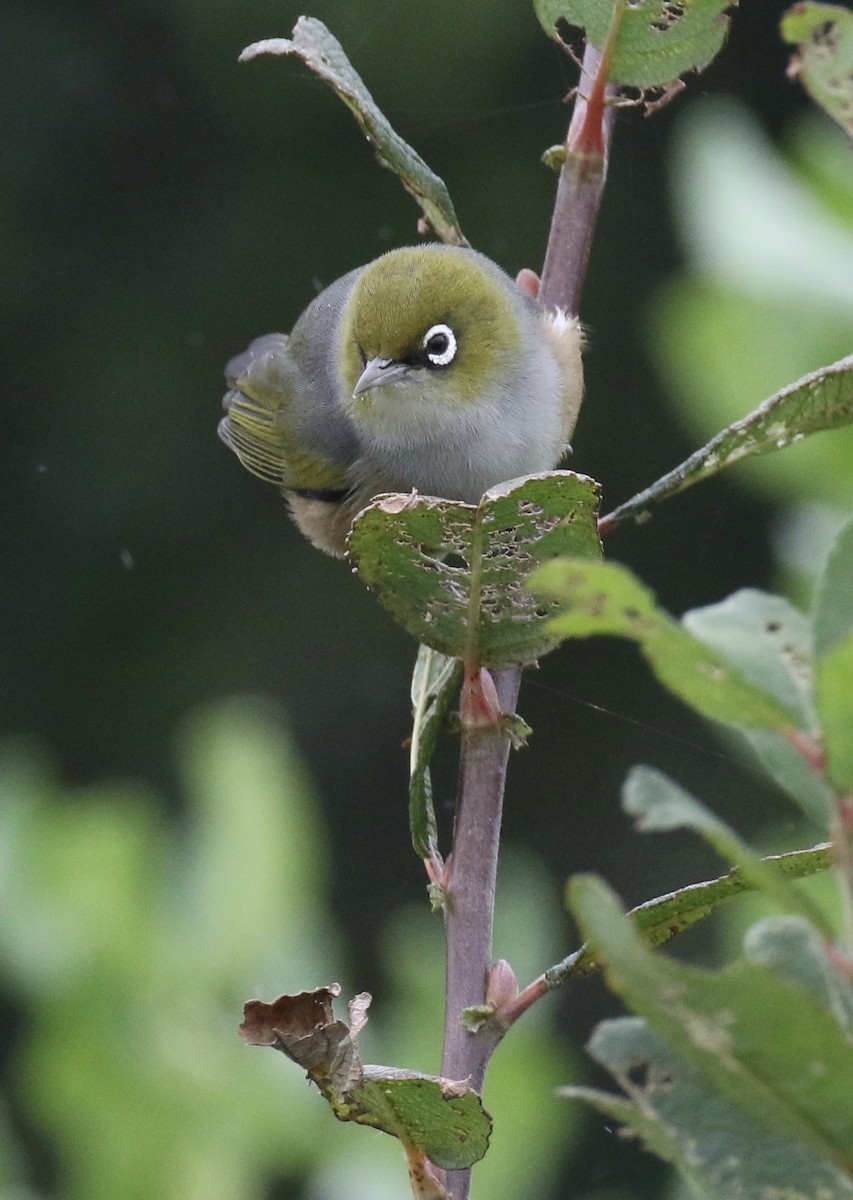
{"points": [[425, 329]]}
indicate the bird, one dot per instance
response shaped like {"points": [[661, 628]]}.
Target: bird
{"points": [[428, 370]]}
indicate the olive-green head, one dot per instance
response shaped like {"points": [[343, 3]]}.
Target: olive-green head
{"points": [[425, 328]]}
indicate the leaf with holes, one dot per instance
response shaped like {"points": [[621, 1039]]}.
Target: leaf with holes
{"points": [[659, 920], [721, 1152], [768, 1046], [453, 574], [323, 53], [823, 62], [771, 643], [654, 42], [817, 402], [440, 1118], [605, 598], [767, 640]]}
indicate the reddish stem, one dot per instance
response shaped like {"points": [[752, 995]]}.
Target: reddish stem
{"points": [[471, 870]]}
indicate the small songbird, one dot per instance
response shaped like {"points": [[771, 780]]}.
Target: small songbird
{"points": [[429, 369]]}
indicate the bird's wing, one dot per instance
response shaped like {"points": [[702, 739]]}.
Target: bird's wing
{"points": [[262, 411]]}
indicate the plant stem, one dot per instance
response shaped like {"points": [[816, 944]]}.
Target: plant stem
{"points": [[470, 892], [579, 189], [472, 869], [469, 907]]}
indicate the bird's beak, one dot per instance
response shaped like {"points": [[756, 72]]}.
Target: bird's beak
{"points": [[378, 371]]}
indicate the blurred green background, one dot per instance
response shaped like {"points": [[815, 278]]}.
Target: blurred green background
{"points": [[203, 779]]}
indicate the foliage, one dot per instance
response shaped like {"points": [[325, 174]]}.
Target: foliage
{"points": [[452, 573], [130, 944], [766, 1041], [652, 43], [323, 53], [823, 35], [129, 979], [767, 295]]}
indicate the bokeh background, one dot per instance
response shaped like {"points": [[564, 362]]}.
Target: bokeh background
{"points": [[202, 771]]}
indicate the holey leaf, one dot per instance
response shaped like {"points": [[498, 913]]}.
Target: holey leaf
{"points": [[454, 574], [659, 920], [605, 598], [722, 1152], [323, 53], [817, 402], [654, 42], [440, 1118], [823, 62], [766, 1045], [771, 643]]}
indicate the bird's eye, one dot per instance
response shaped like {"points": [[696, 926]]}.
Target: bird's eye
{"points": [[440, 345]]}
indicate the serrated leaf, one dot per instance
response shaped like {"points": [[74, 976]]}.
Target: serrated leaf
{"points": [[658, 921], [435, 683], [835, 706], [723, 1153], [820, 401], [441, 1118], [763, 1043], [605, 598], [660, 804], [833, 609], [453, 574], [654, 42], [823, 35], [323, 53]]}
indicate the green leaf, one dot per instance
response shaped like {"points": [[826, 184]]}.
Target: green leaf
{"points": [[654, 42], [833, 609], [605, 598], [787, 767], [453, 574], [819, 401], [435, 683], [660, 804], [792, 948], [724, 1154], [823, 35], [766, 1045], [128, 938], [835, 705], [659, 920], [319, 50], [441, 1118], [770, 642], [445, 1121], [767, 640]]}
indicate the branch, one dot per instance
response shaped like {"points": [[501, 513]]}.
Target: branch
{"points": [[471, 871], [579, 189]]}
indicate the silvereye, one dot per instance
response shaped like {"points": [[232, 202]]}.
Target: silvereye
{"points": [[429, 369]]}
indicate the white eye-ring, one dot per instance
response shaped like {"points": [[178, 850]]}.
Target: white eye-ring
{"points": [[440, 345]]}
